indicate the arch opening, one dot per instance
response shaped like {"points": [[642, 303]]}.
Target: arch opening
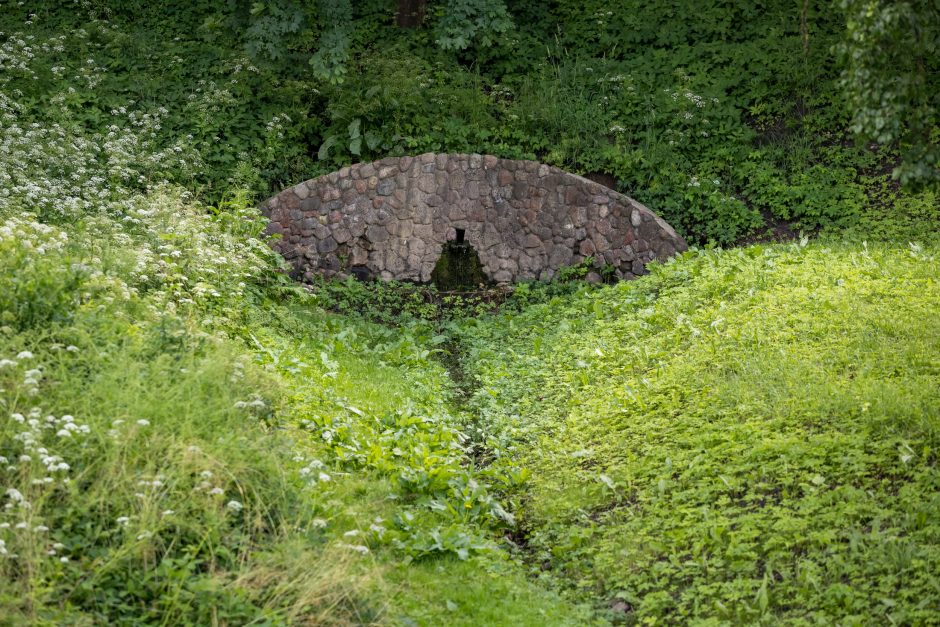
{"points": [[459, 268]]}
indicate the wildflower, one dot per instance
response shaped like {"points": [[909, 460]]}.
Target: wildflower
{"points": [[319, 523], [40, 528], [215, 491], [143, 422], [63, 433], [168, 512], [123, 520], [235, 506], [64, 559], [71, 348], [144, 535], [15, 495], [356, 547], [24, 355], [6, 362], [21, 525]]}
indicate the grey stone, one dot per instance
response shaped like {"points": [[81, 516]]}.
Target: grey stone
{"points": [[327, 245], [377, 234], [341, 234], [301, 191], [385, 188]]}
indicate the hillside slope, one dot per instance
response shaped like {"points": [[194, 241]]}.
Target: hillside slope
{"points": [[745, 435]]}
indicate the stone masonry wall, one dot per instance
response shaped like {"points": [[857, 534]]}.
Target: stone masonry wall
{"points": [[526, 220]]}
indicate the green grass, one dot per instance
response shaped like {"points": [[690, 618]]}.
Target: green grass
{"points": [[745, 436], [239, 460]]}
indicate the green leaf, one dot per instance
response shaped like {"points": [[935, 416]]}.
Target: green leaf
{"points": [[372, 140], [324, 152]]}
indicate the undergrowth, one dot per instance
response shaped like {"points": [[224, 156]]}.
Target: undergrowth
{"points": [[186, 437], [745, 436]]}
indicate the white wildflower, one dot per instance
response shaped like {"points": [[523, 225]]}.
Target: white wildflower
{"points": [[358, 548]]}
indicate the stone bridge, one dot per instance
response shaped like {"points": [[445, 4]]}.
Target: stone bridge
{"points": [[392, 218]]}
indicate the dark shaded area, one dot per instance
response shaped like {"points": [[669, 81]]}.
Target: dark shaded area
{"points": [[362, 273], [459, 268]]}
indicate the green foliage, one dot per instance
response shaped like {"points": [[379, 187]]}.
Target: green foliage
{"points": [[187, 437], [169, 450], [268, 24], [461, 23], [329, 62], [704, 447], [890, 58], [665, 102]]}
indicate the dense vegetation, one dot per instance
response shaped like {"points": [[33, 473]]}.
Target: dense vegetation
{"points": [[746, 435]]}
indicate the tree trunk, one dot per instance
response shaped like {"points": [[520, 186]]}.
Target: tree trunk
{"points": [[410, 13]]}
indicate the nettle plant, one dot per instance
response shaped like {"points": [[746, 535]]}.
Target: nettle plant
{"points": [[61, 174]]}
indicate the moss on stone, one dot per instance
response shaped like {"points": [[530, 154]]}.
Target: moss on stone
{"points": [[458, 268]]}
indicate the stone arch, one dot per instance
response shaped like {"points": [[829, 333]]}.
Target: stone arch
{"points": [[391, 218]]}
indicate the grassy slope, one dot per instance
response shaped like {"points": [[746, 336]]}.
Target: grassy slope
{"points": [[745, 435], [658, 488], [163, 393], [372, 377]]}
